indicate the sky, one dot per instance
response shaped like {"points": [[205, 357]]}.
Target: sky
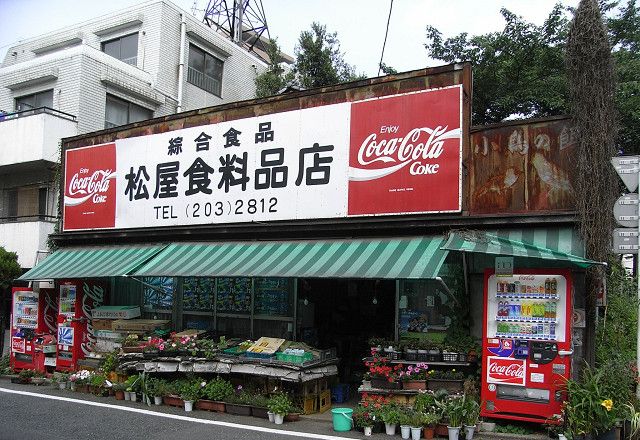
{"points": [[360, 24]]}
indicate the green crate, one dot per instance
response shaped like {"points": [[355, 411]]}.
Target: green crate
{"points": [[234, 351], [293, 358]]}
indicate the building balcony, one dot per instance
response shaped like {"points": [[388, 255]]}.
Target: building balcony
{"points": [[34, 135], [25, 238]]}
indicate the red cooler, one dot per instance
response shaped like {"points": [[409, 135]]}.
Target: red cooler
{"points": [[526, 344]]}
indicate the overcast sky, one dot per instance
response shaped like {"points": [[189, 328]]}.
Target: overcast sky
{"points": [[360, 24]]}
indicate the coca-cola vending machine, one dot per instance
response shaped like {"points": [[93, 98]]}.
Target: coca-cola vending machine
{"points": [[33, 317], [75, 332], [526, 344]]}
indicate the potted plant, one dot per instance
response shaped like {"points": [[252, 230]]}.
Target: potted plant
{"points": [[215, 392], [24, 376], [471, 414], [153, 390], [189, 393], [279, 404], [405, 423], [383, 375], [171, 394], [96, 385], [450, 380], [391, 417], [454, 411], [79, 380], [363, 419], [366, 380], [119, 391], [429, 421], [239, 402], [414, 377], [293, 415], [61, 379], [416, 422], [132, 385], [259, 406]]}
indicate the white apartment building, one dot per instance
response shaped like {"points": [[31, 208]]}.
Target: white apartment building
{"points": [[110, 71]]}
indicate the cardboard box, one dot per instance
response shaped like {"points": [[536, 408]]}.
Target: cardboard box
{"points": [[116, 312], [140, 325], [102, 324]]}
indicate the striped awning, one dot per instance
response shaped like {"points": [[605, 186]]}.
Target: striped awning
{"points": [[92, 262], [408, 258], [561, 244]]}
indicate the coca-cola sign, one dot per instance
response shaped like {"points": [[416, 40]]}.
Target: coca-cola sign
{"points": [[398, 154], [507, 371], [90, 187]]}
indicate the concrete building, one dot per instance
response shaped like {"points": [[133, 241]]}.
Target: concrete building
{"points": [[146, 61]]}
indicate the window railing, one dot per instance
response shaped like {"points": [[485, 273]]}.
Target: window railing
{"points": [[35, 111], [199, 79]]}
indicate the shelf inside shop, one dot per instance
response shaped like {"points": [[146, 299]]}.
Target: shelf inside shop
{"points": [[526, 296], [522, 319]]}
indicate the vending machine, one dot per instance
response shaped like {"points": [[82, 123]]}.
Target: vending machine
{"points": [[75, 333], [33, 328], [526, 344]]}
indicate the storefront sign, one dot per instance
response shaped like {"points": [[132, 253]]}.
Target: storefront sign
{"points": [[506, 371], [392, 155], [18, 345]]}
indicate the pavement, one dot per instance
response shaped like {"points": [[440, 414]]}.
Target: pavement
{"points": [[29, 411]]}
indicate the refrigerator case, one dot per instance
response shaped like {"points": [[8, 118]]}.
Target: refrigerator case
{"points": [[75, 334], [526, 344], [33, 322]]}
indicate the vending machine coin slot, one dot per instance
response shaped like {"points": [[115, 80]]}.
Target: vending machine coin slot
{"points": [[542, 352], [521, 349]]}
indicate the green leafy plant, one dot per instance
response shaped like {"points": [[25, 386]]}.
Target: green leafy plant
{"points": [[431, 418], [132, 383], [451, 374], [390, 414], [4, 365], [190, 390], [280, 404], [110, 362], [261, 401], [471, 411], [27, 374], [363, 417], [97, 380], [453, 410], [222, 343], [217, 389]]}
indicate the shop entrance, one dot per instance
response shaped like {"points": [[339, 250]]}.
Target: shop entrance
{"points": [[344, 314]]}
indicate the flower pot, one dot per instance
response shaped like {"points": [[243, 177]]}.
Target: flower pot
{"points": [[262, 413], [62, 385], [72, 385], [292, 417], [414, 385], [271, 416], [611, 434], [405, 431], [368, 430], [562, 437], [151, 354], [157, 400], [278, 419], [384, 384], [120, 395], [173, 401], [428, 432], [366, 384], [126, 395], [454, 432], [390, 428], [210, 405], [239, 410], [133, 396], [488, 426], [441, 430], [452, 386], [415, 432], [188, 405], [468, 431]]}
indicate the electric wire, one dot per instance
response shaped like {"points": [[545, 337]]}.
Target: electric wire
{"points": [[386, 32]]}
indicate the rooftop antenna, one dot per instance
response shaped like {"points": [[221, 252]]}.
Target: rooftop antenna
{"points": [[242, 21]]}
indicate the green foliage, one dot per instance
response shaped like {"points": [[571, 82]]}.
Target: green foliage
{"points": [[110, 362], [454, 410], [154, 386], [190, 390], [132, 383], [217, 389], [9, 268], [513, 429], [391, 414], [471, 411], [425, 402], [4, 365], [280, 404], [273, 79]]}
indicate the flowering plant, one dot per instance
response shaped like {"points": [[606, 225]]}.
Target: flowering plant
{"points": [[363, 417], [374, 404], [446, 374], [417, 372], [153, 344], [379, 368], [81, 377]]}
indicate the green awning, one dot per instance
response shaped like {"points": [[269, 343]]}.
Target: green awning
{"points": [[408, 258], [561, 244], [92, 262]]}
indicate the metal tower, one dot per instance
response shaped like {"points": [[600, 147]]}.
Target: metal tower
{"points": [[243, 21]]}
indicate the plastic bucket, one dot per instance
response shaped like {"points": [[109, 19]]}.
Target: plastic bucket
{"points": [[342, 420]]}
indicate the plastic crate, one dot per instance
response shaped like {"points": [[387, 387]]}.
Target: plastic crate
{"points": [[434, 357], [234, 351], [253, 355], [449, 357], [329, 353], [411, 356], [340, 393], [462, 357], [294, 358], [324, 401]]}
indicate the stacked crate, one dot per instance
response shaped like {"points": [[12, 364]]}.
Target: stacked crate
{"points": [[109, 339]]}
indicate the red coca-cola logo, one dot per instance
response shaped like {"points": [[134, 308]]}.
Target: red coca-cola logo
{"points": [[90, 187], [402, 149], [506, 371], [17, 345]]}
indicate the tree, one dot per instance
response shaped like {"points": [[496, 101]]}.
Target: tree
{"points": [[591, 90], [520, 70], [517, 71], [9, 268], [319, 61], [273, 79]]}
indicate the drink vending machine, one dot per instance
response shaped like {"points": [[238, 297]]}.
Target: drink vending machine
{"points": [[526, 344], [33, 317], [75, 332]]}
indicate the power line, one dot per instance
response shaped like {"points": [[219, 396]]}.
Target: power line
{"points": [[385, 38]]}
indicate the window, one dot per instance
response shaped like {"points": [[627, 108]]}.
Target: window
{"points": [[205, 70], [36, 100], [121, 112], [123, 48]]}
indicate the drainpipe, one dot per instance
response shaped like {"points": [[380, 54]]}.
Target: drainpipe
{"points": [[183, 40]]}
